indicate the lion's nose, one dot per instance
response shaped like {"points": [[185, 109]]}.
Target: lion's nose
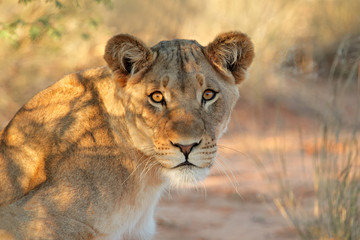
{"points": [[186, 149]]}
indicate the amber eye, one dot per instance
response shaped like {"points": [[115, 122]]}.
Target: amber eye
{"points": [[208, 95], [157, 97]]}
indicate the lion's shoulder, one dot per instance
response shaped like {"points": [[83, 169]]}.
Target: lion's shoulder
{"points": [[69, 87], [64, 116]]}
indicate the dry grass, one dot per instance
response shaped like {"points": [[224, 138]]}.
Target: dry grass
{"points": [[335, 207]]}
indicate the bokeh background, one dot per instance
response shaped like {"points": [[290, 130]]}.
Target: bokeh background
{"points": [[288, 166]]}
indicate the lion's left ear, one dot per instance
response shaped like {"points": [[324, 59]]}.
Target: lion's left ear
{"points": [[232, 51], [125, 56]]}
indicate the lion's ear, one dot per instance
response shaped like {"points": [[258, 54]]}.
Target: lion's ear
{"points": [[126, 55], [232, 51]]}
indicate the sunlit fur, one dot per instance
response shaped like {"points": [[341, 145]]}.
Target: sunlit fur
{"points": [[89, 157]]}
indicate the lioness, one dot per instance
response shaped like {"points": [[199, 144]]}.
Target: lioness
{"points": [[88, 157]]}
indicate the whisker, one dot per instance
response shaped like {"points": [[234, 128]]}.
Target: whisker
{"points": [[232, 179], [148, 168], [232, 149], [168, 190], [205, 190], [147, 165], [137, 167], [226, 167]]}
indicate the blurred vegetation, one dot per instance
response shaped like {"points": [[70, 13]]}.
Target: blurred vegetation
{"points": [[43, 40], [307, 61], [35, 20]]}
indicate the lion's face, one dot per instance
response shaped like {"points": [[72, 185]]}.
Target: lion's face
{"points": [[177, 105]]}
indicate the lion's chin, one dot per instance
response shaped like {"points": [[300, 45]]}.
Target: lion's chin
{"points": [[186, 176]]}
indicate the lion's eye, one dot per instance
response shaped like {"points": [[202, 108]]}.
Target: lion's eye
{"points": [[208, 95], [157, 97]]}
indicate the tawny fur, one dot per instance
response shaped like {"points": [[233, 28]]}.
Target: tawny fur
{"points": [[88, 157]]}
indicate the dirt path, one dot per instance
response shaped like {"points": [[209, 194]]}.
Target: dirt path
{"points": [[193, 217]]}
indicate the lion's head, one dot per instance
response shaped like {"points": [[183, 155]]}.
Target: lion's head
{"points": [[178, 97]]}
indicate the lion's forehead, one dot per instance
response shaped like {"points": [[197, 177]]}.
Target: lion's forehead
{"points": [[172, 83], [180, 65], [185, 56]]}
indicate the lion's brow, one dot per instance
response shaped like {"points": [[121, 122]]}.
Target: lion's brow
{"points": [[183, 56]]}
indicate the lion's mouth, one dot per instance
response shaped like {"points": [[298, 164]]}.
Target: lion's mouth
{"points": [[185, 163]]}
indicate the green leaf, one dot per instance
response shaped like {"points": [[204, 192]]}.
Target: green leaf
{"points": [[54, 33], [85, 36], [108, 3], [24, 1], [5, 34], [59, 4], [45, 20], [16, 23], [93, 23], [35, 32]]}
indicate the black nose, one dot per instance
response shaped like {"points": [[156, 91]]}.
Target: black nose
{"points": [[185, 149]]}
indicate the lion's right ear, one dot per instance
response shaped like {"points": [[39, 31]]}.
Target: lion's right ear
{"points": [[125, 56]]}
